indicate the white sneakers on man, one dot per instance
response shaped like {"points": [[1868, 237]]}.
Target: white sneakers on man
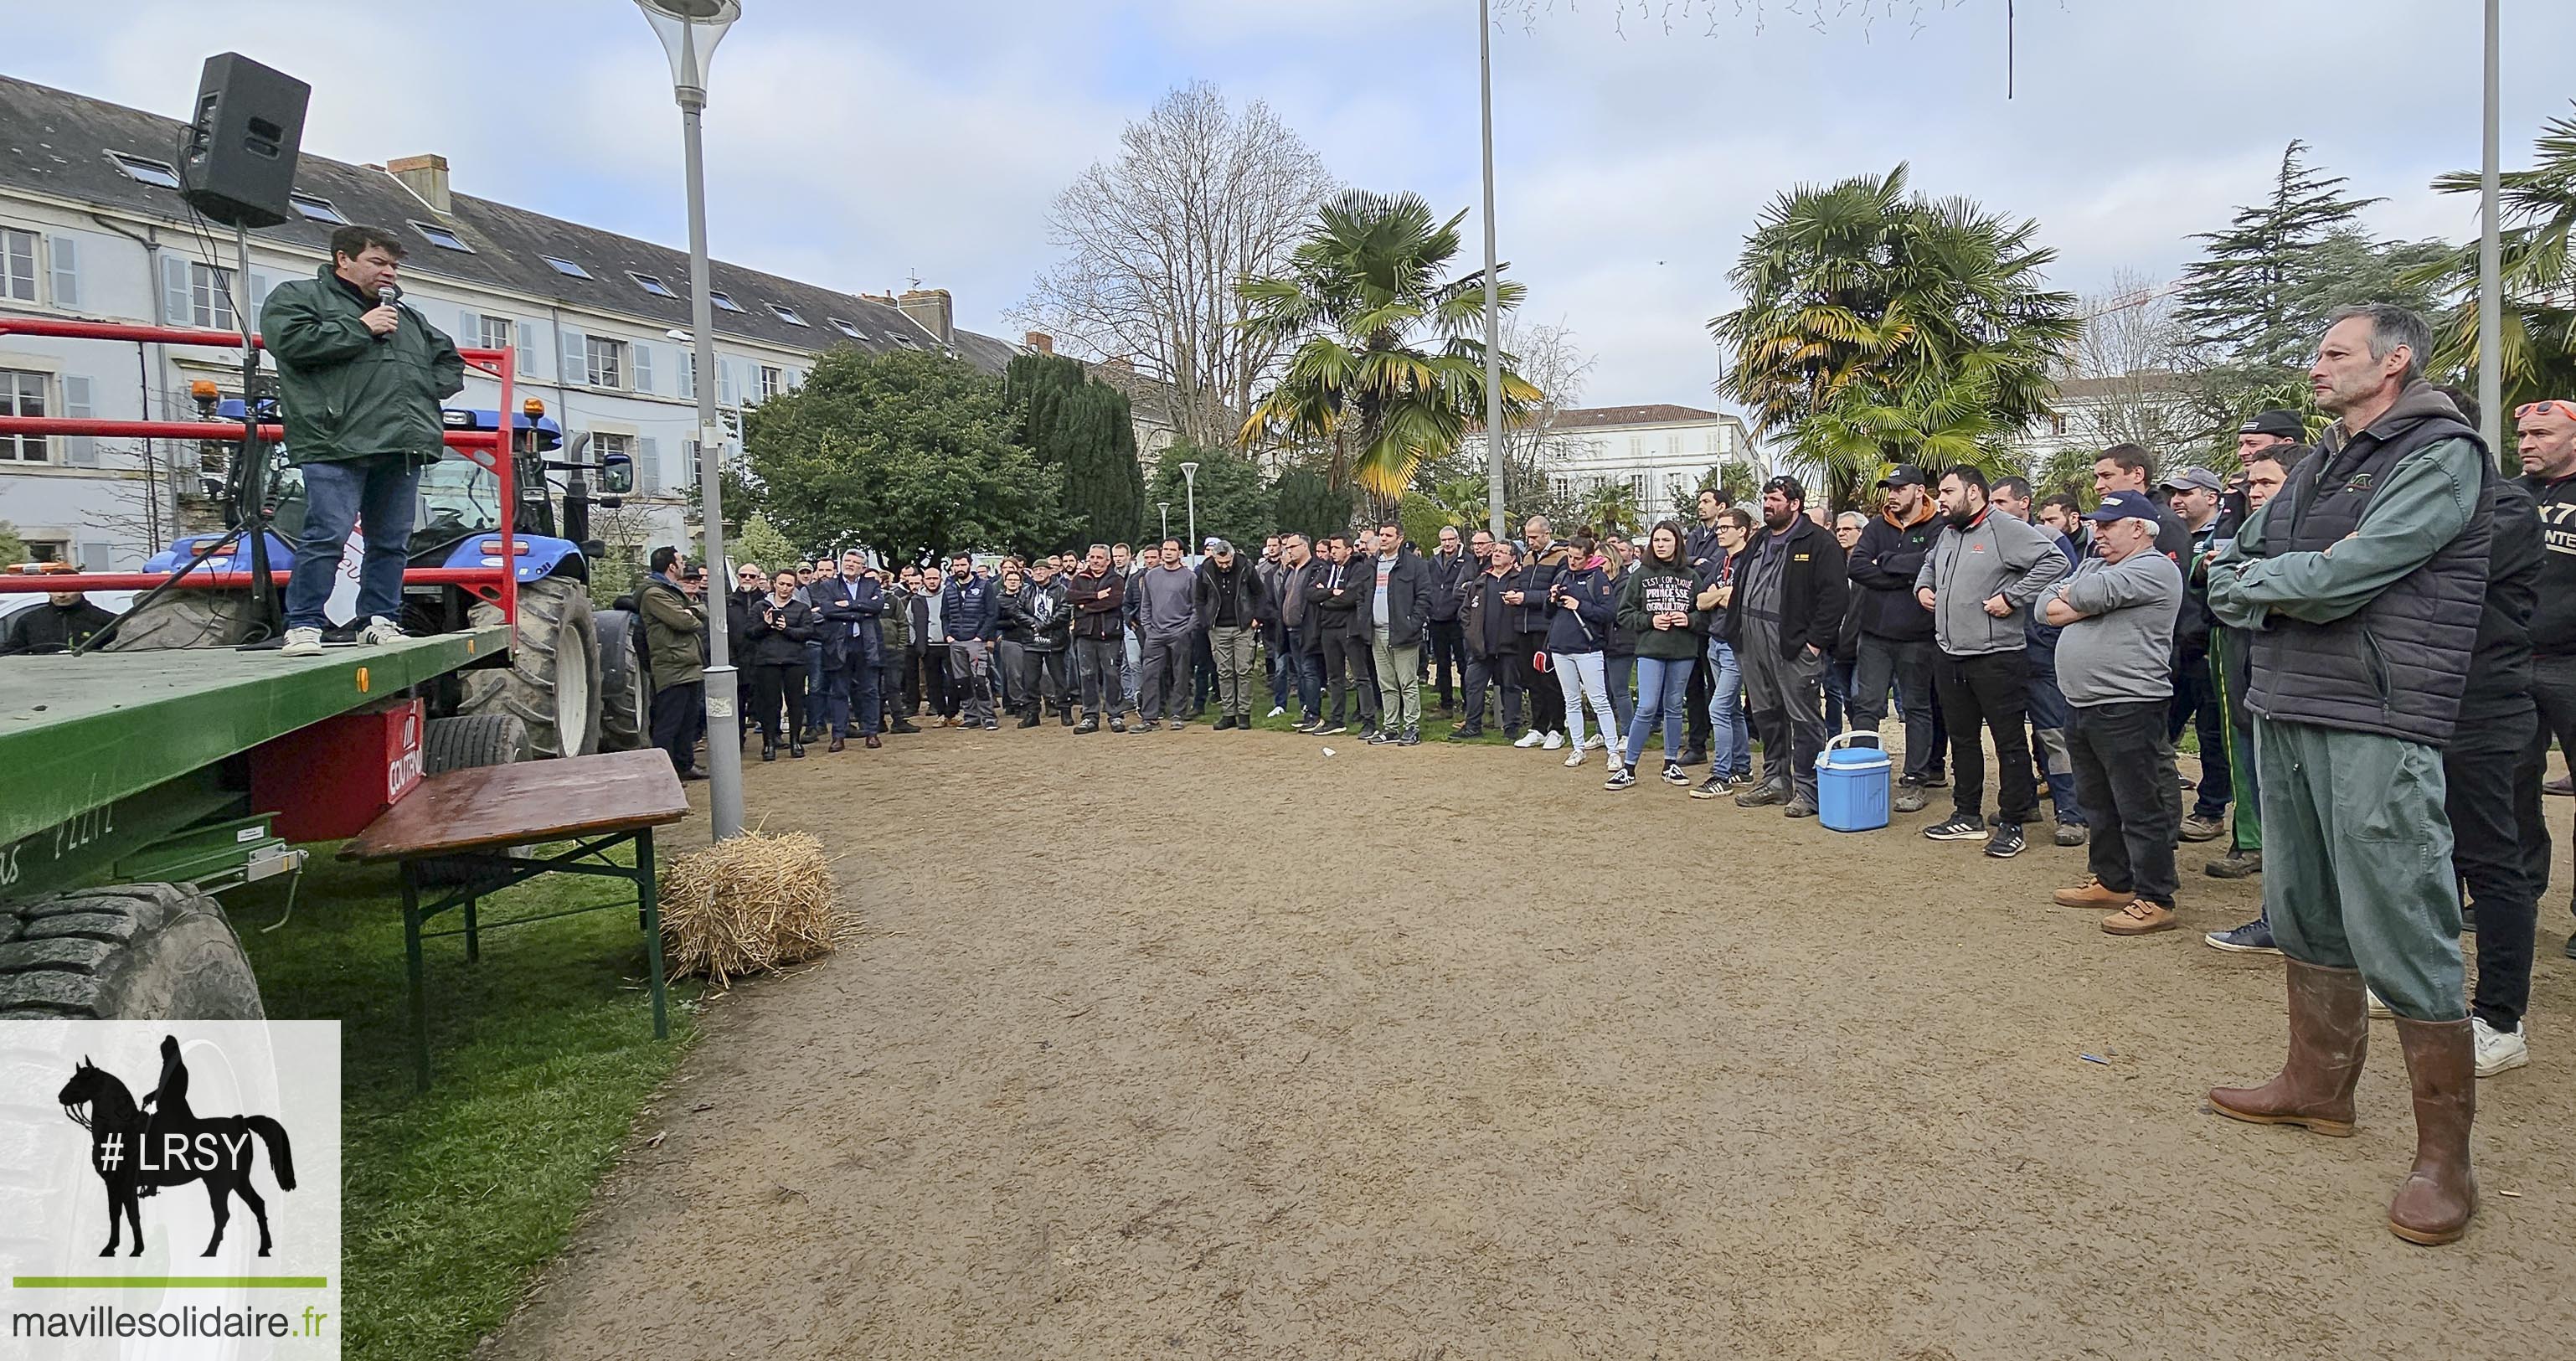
{"points": [[2498, 1050], [1555, 740], [380, 630], [1574, 758], [1531, 738], [302, 643]]}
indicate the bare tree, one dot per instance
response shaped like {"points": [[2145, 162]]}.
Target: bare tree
{"points": [[1198, 198], [2126, 379], [1546, 354]]}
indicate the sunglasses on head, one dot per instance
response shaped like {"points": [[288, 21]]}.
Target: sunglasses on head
{"points": [[2551, 407]]}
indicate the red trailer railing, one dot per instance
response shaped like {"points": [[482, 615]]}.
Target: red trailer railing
{"points": [[490, 448]]}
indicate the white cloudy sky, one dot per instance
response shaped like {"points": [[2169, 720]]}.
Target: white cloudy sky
{"points": [[859, 143]]}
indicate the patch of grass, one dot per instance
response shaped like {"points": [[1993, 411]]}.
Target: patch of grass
{"points": [[541, 1053]]}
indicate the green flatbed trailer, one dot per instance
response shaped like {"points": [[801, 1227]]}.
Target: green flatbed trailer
{"points": [[127, 769]]}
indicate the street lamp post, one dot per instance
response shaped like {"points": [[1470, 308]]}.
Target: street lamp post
{"points": [[1190, 476], [1167, 517], [690, 30], [2490, 265], [1493, 306]]}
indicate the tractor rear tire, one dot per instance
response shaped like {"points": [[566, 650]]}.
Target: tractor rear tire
{"points": [[188, 618], [133, 952], [552, 681], [624, 724]]}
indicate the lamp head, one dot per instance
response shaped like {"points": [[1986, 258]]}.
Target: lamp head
{"points": [[690, 30]]}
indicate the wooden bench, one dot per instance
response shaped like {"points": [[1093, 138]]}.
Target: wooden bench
{"points": [[469, 821]]}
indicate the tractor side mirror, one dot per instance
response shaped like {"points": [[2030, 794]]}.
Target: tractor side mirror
{"points": [[616, 473]]}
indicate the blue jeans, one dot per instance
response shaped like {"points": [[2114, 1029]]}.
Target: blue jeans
{"points": [[1840, 678], [1621, 671], [814, 681], [1663, 694], [1730, 740], [1308, 673], [380, 492], [2049, 719]]}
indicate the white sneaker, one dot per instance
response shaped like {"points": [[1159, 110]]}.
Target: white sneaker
{"points": [[302, 643], [1575, 759], [2378, 1009], [1531, 738], [2498, 1050], [1276, 711], [1554, 741], [1595, 742], [380, 630]]}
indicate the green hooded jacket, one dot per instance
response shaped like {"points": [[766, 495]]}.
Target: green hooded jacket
{"points": [[347, 394]]}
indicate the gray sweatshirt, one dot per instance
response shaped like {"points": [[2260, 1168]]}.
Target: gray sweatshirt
{"points": [[1170, 601], [1998, 555], [2121, 652]]}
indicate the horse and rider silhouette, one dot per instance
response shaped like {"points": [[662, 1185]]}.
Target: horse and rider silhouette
{"points": [[137, 1150]]}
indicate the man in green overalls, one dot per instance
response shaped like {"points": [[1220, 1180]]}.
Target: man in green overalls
{"points": [[2359, 586]]}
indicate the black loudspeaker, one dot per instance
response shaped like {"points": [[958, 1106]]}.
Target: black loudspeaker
{"points": [[243, 136]]}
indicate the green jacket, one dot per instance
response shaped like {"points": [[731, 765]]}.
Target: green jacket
{"points": [[674, 634], [896, 624], [348, 394]]}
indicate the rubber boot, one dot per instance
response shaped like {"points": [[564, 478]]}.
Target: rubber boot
{"points": [[2329, 1031], [2437, 1199]]}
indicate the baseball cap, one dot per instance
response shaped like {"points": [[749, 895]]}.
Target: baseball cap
{"points": [[2285, 424], [1905, 475], [2123, 505], [1787, 486], [2184, 479]]}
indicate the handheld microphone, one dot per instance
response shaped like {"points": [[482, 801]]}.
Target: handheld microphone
{"points": [[385, 298]]}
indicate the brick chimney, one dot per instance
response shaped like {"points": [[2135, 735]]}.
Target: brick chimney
{"points": [[425, 176], [1039, 341], [930, 309]]}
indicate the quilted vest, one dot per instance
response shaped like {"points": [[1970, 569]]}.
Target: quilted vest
{"points": [[2396, 666]]}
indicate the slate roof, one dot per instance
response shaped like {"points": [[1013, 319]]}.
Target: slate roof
{"points": [[56, 142]]}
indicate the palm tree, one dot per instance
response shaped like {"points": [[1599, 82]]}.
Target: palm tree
{"points": [[1880, 326], [1388, 369], [2536, 214]]}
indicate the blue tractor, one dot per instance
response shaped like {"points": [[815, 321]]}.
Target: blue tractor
{"points": [[576, 678]]}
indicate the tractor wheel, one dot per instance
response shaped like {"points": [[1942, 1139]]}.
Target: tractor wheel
{"points": [[552, 681], [188, 618], [468, 740], [134, 952], [623, 722], [459, 743]]}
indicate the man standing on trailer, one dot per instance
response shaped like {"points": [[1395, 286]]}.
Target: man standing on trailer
{"points": [[360, 377]]}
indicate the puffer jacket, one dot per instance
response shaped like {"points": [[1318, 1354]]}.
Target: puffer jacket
{"points": [[1586, 627]]}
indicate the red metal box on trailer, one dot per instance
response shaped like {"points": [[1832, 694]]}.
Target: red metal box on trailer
{"points": [[328, 781]]}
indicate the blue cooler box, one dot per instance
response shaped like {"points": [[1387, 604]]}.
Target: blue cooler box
{"points": [[1852, 784]]}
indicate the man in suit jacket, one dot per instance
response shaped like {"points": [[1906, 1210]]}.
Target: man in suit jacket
{"points": [[1393, 614], [850, 606]]}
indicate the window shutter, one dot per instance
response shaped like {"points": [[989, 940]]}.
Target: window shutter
{"points": [[643, 367], [576, 358], [66, 253], [258, 300], [93, 556], [795, 379], [524, 334], [648, 464], [174, 291], [728, 388], [469, 329], [79, 451], [688, 373]]}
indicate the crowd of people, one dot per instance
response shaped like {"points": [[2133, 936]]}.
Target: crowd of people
{"points": [[2371, 637]]}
